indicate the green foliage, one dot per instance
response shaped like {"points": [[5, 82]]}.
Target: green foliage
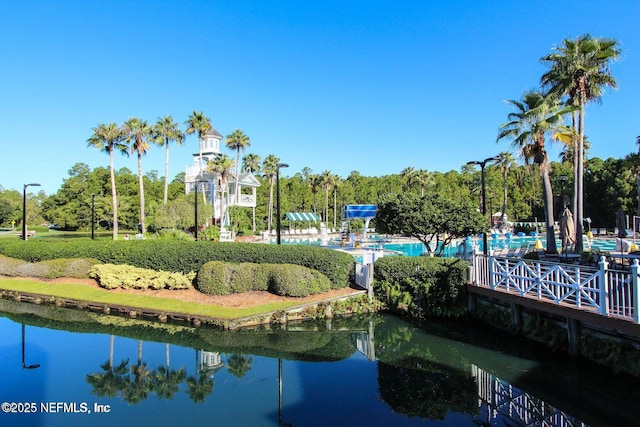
{"points": [[8, 265], [431, 219], [184, 256], [422, 286], [39, 229], [172, 234], [296, 281], [222, 278], [112, 276], [50, 269], [212, 233]]}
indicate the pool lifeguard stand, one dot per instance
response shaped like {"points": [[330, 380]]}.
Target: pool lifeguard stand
{"points": [[366, 212]]}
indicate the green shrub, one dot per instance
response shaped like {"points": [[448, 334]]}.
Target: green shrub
{"points": [[8, 265], [222, 278], [422, 286], [296, 281], [211, 279], [184, 256], [51, 269], [113, 276]]}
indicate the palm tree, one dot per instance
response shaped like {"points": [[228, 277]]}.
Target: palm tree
{"points": [[535, 117], [138, 132], [314, 182], [164, 131], [336, 181], [200, 124], [239, 364], [237, 141], [251, 163], [269, 171], [110, 138], [505, 164], [221, 167], [579, 69], [408, 174], [424, 179], [569, 137], [199, 388], [325, 179]]}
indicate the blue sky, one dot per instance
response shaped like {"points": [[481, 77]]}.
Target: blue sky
{"points": [[372, 86]]}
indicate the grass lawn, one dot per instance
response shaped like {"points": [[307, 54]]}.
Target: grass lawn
{"points": [[84, 293]]}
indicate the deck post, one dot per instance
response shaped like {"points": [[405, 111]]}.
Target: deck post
{"points": [[636, 292], [573, 332], [490, 266], [604, 286]]}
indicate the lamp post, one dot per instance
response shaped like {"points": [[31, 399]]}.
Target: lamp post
{"points": [[482, 164], [24, 365], [562, 180], [93, 216], [24, 208], [278, 166]]}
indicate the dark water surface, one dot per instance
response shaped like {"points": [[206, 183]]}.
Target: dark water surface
{"points": [[63, 367]]}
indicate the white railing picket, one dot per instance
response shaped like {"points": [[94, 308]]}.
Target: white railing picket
{"points": [[606, 291]]}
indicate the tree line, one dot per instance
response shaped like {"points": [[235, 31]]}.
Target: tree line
{"points": [[610, 184]]}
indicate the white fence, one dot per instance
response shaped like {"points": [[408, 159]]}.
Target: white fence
{"points": [[364, 275], [609, 292], [517, 406]]}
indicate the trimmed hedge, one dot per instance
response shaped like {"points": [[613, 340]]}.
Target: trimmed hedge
{"points": [[112, 276], [422, 286], [184, 256], [222, 278], [50, 269]]}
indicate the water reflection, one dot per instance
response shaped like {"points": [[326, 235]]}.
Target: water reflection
{"points": [[367, 371]]}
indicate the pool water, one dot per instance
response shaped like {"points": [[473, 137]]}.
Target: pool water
{"points": [[417, 248]]}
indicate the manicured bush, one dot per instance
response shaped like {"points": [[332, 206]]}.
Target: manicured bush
{"points": [[222, 278], [184, 256], [8, 265], [113, 276], [422, 286], [296, 281], [50, 269]]}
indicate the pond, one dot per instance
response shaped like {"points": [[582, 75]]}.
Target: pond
{"points": [[62, 367]]}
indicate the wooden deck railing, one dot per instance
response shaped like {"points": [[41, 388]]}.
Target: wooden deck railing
{"points": [[603, 290]]}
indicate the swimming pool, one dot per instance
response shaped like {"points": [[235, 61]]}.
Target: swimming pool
{"points": [[417, 248]]}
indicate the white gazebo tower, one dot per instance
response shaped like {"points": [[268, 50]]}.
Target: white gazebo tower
{"points": [[207, 184]]}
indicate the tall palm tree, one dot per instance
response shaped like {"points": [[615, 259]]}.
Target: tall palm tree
{"points": [[138, 133], [534, 118], [336, 181], [424, 179], [505, 164], [325, 179], [199, 124], [110, 138], [409, 175], [221, 168], [579, 70], [269, 171], [237, 141], [251, 163], [166, 130], [314, 182]]}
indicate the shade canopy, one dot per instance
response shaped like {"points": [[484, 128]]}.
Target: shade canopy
{"points": [[567, 229], [359, 211], [302, 216]]}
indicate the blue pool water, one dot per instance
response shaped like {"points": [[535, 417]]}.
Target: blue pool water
{"points": [[417, 248]]}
